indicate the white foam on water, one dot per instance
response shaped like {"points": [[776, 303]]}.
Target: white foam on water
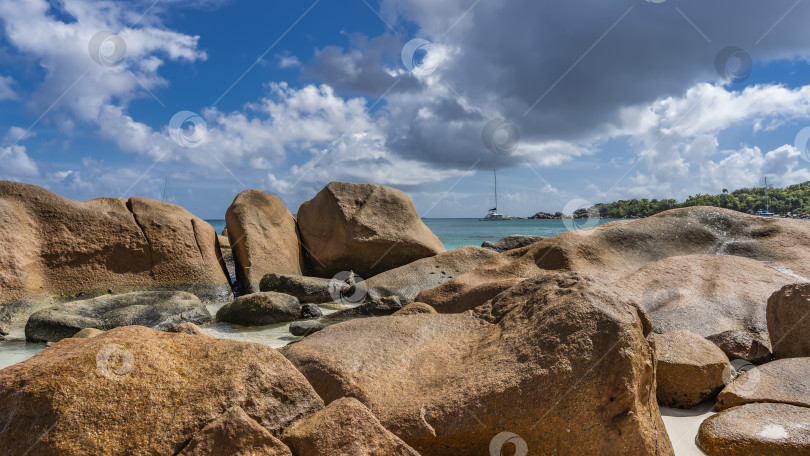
{"points": [[773, 432]]}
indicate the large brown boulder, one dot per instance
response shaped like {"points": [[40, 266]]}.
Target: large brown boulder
{"points": [[363, 228], [407, 281], [615, 250], [785, 381], [757, 430], [258, 309], [234, 433], [788, 318], [137, 391], [562, 361], [308, 289], [58, 247], [690, 369], [739, 344], [263, 238], [347, 428], [706, 294]]}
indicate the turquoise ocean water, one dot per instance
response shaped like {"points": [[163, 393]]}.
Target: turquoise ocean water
{"points": [[453, 232], [457, 232]]}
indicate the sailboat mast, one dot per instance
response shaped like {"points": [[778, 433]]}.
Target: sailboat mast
{"points": [[767, 198], [496, 189]]}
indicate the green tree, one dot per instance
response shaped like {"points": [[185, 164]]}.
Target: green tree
{"points": [[793, 199]]}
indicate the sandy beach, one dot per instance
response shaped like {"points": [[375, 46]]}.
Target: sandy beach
{"points": [[682, 427]]}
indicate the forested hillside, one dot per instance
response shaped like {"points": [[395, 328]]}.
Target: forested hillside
{"points": [[793, 200]]}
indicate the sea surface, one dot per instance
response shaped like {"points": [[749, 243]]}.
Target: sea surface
{"points": [[453, 232], [458, 232]]}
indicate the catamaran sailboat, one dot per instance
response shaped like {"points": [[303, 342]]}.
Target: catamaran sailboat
{"points": [[767, 211], [493, 214]]}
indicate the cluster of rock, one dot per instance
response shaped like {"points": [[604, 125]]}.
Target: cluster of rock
{"points": [[766, 408], [567, 343], [511, 242], [547, 216], [725, 292], [582, 213], [572, 372], [76, 250], [347, 227], [61, 249], [437, 386], [382, 294]]}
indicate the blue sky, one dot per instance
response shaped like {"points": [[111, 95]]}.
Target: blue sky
{"points": [[610, 101]]}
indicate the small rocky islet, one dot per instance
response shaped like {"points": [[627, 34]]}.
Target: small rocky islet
{"points": [[562, 345]]}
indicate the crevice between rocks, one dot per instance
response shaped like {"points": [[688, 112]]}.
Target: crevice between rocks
{"points": [[185, 444], [143, 231], [197, 240]]}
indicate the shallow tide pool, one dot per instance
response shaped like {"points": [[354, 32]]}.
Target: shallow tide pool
{"points": [[15, 349]]}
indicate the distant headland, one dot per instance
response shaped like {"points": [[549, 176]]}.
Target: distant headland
{"points": [[792, 202]]}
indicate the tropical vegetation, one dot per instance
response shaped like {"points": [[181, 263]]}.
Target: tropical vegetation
{"points": [[794, 200]]}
